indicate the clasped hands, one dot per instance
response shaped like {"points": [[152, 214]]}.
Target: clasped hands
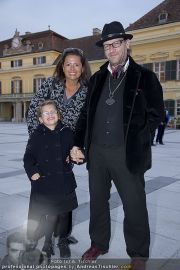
{"points": [[77, 155]]}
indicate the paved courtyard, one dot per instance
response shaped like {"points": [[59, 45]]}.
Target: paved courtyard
{"points": [[162, 188]]}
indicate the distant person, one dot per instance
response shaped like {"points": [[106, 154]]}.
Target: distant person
{"points": [[68, 88], [161, 128], [125, 104], [47, 164], [15, 244]]}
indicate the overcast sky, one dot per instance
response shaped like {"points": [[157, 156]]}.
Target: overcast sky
{"points": [[70, 18]]}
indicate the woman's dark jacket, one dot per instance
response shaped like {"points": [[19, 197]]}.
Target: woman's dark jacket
{"points": [[143, 110], [46, 154]]}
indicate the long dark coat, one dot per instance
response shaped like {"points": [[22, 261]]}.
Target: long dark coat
{"points": [[143, 110], [46, 154]]}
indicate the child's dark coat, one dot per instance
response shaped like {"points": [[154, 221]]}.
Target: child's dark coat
{"points": [[46, 153]]}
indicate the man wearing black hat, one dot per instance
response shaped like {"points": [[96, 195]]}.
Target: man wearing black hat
{"points": [[124, 106]]}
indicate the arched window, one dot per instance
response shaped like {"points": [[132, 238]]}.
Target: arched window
{"points": [[16, 85], [40, 45], [37, 81]]}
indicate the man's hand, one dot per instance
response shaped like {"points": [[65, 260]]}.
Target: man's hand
{"points": [[35, 176], [77, 155]]}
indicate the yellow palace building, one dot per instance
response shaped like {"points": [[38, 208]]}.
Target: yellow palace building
{"points": [[156, 45], [26, 60]]}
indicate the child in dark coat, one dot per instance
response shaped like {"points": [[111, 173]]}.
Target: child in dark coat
{"points": [[47, 164]]}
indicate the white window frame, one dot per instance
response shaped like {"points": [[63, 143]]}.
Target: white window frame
{"points": [[163, 17], [178, 107], [160, 70], [16, 86], [178, 70], [17, 63], [38, 82], [40, 60]]}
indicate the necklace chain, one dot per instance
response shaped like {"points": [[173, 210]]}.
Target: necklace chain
{"points": [[110, 100]]}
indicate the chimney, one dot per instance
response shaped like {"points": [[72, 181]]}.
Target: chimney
{"points": [[96, 31]]}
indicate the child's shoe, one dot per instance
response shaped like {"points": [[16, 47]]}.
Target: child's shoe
{"points": [[64, 249]]}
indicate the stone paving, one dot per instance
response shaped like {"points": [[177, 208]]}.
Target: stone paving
{"points": [[162, 188]]}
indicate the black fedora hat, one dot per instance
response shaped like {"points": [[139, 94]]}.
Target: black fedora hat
{"points": [[112, 30]]}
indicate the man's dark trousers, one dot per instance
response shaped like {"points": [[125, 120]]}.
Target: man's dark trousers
{"points": [[106, 164]]}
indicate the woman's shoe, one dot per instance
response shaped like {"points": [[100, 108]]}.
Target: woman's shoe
{"points": [[48, 248], [72, 240], [64, 249]]}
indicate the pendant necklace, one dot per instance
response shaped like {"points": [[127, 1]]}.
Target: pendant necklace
{"points": [[110, 100]]}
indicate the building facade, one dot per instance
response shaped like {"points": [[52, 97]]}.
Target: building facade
{"points": [[26, 60], [156, 45]]}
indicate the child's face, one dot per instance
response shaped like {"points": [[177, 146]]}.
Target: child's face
{"points": [[49, 116]]}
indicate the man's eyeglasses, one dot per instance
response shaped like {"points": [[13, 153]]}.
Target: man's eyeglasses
{"points": [[73, 50], [115, 44], [49, 113]]}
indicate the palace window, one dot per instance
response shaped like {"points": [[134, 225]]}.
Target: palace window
{"points": [[39, 60], [170, 70], [178, 70], [162, 18], [159, 69], [178, 107], [16, 63], [37, 83], [16, 86], [40, 45]]}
